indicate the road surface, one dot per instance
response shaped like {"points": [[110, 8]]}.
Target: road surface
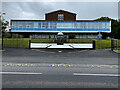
{"points": [[24, 68]]}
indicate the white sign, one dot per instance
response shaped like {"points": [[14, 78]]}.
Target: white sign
{"points": [[66, 45]]}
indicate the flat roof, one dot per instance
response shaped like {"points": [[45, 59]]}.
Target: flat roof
{"points": [[61, 21]]}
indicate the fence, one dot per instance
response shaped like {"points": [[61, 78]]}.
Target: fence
{"points": [[115, 44], [24, 42], [15, 42]]}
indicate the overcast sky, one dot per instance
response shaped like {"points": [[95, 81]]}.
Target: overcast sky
{"points": [[37, 10]]}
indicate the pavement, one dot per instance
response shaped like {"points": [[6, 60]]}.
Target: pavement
{"points": [[60, 56], [59, 68]]}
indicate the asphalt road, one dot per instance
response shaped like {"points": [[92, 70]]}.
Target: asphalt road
{"points": [[59, 76], [40, 68], [60, 56]]}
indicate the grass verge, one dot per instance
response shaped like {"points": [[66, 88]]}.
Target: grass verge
{"points": [[24, 42], [117, 51]]}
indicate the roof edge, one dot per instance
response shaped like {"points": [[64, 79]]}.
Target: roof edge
{"points": [[60, 10]]}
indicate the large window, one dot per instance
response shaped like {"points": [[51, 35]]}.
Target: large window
{"points": [[27, 26], [60, 17], [60, 25], [35, 25]]}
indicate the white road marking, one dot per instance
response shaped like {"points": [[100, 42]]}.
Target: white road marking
{"points": [[19, 73], [84, 74], [61, 64]]}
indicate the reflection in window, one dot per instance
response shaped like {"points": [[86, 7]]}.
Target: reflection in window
{"points": [[39, 25], [79, 25], [60, 16], [20, 26], [27, 26], [35, 25]]}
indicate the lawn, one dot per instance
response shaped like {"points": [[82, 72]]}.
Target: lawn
{"points": [[117, 51], [24, 42]]}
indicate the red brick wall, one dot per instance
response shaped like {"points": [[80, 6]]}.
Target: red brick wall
{"points": [[54, 16]]}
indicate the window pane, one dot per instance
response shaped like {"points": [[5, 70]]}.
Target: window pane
{"points": [[60, 16], [35, 25]]}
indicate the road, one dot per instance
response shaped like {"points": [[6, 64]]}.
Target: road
{"points": [[60, 56], [24, 68]]}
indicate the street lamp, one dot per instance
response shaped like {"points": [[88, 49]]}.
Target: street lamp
{"points": [[2, 19]]}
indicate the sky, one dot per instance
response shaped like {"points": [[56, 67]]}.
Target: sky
{"points": [[37, 10]]}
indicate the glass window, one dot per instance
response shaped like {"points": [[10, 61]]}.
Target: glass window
{"points": [[54, 25], [103, 25], [75, 25], [23, 24], [62, 25], [78, 25], [35, 25], [60, 17], [69, 25], [51, 25], [46, 25], [27, 26], [90, 25], [66, 25], [100, 25], [58, 25], [20, 26], [39, 25], [107, 25], [86, 25], [16, 24], [13, 24], [95, 25], [43, 25]]}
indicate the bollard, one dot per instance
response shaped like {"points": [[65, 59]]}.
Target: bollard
{"points": [[93, 42], [112, 45], [29, 43]]}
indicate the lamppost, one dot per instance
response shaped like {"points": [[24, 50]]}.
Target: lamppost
{"points": [[2, 20]]}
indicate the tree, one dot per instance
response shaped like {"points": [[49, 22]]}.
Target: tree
{"points": [[3, 25]]}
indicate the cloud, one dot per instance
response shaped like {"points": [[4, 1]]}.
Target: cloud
{"points": [[37, 10], [60, 0]]}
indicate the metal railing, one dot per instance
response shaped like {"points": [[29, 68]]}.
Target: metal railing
{"points": [[115, 44]]}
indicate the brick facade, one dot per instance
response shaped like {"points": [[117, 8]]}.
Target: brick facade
{"points": [[53, 16]]}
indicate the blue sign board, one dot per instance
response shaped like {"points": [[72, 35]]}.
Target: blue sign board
{"points": [[99, 36]]}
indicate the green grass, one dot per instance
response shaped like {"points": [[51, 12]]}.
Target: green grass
{"points": [[24, 42], [117, 51], [42, 40]]}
